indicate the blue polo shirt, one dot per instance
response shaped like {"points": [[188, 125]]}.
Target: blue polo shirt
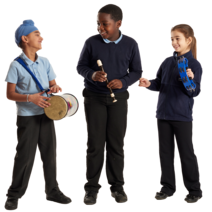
{"points": [[25, 84]]}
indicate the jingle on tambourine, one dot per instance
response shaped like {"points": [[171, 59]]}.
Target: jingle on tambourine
{"points": [[99, 63]]}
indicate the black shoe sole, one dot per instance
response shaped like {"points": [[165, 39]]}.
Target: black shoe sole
{"points": [[10, 208], [89, 203], [118, 201], [160, 199], [192, 201], [58, 202]]}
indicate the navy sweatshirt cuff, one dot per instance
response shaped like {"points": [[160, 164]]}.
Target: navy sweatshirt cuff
{"points": [[124, 83], [89, 76]]}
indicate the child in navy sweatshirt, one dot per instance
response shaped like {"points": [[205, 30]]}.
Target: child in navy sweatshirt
{"points": [[174, 114], [106, 121]]}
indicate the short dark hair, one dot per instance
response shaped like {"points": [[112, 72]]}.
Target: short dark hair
{"points": [[113, 10], [21, 44]]}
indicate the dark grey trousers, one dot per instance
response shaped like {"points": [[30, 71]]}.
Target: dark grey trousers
{"points": [[106, 124], [34, 131]]}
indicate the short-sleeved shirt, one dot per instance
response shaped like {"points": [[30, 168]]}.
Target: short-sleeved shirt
{"points": [[25, 84]]}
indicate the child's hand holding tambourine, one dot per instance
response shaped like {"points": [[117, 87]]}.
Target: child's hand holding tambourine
{"points": [[190, 73]]}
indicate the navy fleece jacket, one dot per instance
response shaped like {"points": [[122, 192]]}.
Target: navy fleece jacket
{"points": [[120, 61], [175, 102]]}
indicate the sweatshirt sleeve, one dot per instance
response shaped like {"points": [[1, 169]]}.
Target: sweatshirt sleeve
{"points": [[135, 69], [84, 64]]}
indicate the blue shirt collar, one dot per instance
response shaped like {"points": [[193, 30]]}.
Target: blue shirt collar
{"points": [[116, 41], [27, 60]]}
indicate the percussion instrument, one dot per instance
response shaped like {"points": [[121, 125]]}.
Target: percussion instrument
{"points": [[62, 106], [111, 92], [187, 81]]}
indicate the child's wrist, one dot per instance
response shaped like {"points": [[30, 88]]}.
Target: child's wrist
{"points": [[93, 75], [149, 84], [29, 98]]}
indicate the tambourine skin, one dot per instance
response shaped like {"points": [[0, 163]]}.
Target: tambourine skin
{"points": [[61, 106], [58, 108]]}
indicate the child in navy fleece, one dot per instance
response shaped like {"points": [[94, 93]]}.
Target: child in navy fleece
{"points": [[174, 114], [106, 121]]}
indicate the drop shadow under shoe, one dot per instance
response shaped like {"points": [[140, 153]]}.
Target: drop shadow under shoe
{"points": [[161, 196], [59, 197], [191, 198], [11, 203], [90, 197], [120, 196]]}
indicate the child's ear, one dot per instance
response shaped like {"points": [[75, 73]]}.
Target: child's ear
{"points": [[189, 40], [24, 39], [118, 23]]}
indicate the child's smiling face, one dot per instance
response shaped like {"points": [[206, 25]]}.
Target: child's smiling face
{"points": [[107, 27], [180, 43], [33, 40]]}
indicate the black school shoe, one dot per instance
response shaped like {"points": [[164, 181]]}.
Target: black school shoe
{"points": [[161, 196], [90, 197], [119, 196], [191, 198], [58, 196], [11, 203]]}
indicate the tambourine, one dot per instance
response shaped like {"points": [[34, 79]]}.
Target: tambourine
{"points": [[62, 106], [187, 82]]}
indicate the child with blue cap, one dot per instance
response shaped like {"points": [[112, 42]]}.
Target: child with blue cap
{"points": [[34, 127]]}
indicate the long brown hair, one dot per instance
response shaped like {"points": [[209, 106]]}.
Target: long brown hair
{"points": [[188, 32]]}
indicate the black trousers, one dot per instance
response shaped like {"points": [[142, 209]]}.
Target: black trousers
{"points": [[106, 124], [32, 131], [183, 133]]}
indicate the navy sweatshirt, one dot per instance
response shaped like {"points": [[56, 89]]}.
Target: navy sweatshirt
{"points": [[120, 61], [175, 102]]}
